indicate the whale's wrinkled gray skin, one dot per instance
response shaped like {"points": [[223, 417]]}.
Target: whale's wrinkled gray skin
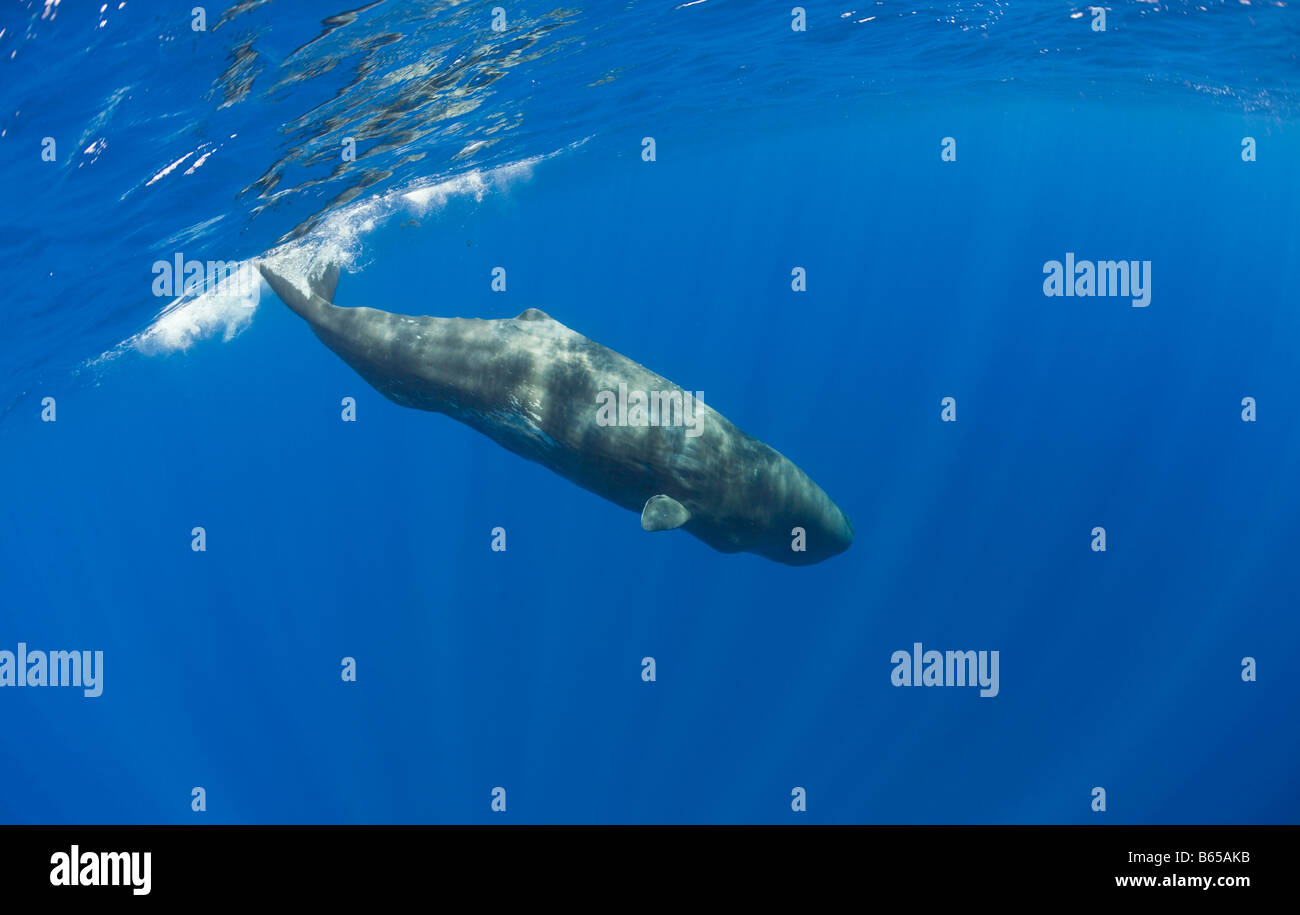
{"points": [[531, 385]]}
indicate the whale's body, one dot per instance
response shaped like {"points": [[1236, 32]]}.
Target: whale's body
{"points": [[532, 385]]}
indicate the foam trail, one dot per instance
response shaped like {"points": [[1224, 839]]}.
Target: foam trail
{"points": [[228, 309]]}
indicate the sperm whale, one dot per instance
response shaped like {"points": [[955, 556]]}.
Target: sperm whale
{"points": [[586, 412]]}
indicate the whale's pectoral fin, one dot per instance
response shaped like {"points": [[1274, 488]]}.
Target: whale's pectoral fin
{"points": [[663, 513]]}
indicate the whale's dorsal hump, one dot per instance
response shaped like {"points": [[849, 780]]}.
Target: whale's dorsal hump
{"points": [[533, 314], [663, 513]]}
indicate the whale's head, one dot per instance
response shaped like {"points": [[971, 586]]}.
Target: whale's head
{"points": [[817, 531], [798, 523], [775, 511]]}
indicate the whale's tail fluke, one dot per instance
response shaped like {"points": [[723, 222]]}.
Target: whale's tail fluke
{"points": [[322, 280]]}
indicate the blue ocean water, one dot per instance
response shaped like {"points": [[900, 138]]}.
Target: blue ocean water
{"points": [[773, 149]]}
